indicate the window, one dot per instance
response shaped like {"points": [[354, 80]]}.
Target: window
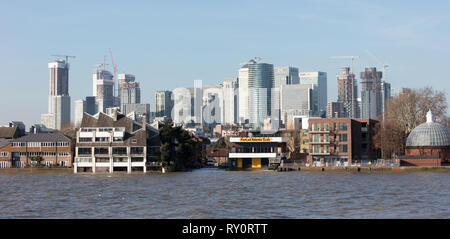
{"points": [[315, 127], [119, 150], [316, 138], [84, 150], [63, 144], [101, 139], [326, 138], [326, 127], [343, 126], [343, 137], [137, 150], [84, 139], [3, 164], [48, 163], [316, 149], [101, 151], [118, 139], [3, 154], [343, 148]]}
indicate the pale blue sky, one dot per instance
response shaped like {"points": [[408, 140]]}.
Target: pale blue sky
{"points": [[168, 44]]}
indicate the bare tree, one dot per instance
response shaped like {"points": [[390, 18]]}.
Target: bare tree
{"points": [[404, 113]]}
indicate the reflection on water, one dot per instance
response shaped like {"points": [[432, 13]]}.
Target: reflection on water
{"points": [[211, 193]]}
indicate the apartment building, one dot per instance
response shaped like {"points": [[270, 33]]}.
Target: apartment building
{"points": [[115, 143], [341, 141]]}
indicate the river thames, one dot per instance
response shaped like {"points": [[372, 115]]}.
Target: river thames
{"points": [[213, 193]]}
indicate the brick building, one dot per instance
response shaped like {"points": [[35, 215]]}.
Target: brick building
{"points": [[51, 148], [427, 145], [341, 141]]}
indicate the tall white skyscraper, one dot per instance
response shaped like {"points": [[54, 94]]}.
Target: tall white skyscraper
{"points": [[295, 100], [231, 101], [243, 92], [58, 99], [319, 95], [212, 109], [103, 84]]}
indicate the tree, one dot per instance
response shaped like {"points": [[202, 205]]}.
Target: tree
{"points": [[403, 114], [177, 147], [218, 144], [409, 109]]}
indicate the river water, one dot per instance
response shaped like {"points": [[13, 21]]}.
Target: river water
{"points": [[213, 193]]}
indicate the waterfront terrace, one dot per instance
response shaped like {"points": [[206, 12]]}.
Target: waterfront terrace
{"points": [[115, 143], [50, 148]]}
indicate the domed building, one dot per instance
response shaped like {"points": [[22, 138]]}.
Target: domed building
{"points": [[428, 144]]}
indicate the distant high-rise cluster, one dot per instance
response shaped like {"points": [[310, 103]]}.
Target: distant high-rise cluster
{"points": [[262, 96]]}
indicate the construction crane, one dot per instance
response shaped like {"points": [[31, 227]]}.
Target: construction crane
{"points": [[66, 56], [347, 57], [383, 66], [115, 71]]}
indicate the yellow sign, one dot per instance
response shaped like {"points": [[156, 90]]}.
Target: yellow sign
{"points": [[255, 139]]}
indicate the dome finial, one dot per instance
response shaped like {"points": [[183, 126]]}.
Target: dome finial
{"points": [[430, 117]]}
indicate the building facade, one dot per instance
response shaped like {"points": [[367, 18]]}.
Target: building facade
{"points": [[256, 150], [164, 103], [371, 93], [341, 141], [51, 149], [103, 89], [58, 98], [320, 93], [231, 101], [348, 92], [295, 100], [260, 84], [115, 143]]}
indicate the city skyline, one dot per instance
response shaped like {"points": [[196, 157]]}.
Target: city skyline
{"points": [[407, 41]]}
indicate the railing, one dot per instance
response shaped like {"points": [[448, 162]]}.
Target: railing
{"points": [[83, 160]]}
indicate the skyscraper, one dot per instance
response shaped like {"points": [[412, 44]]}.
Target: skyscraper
{"points": [[260, 84], [58, 99], [164, 103], [243, 92], [319, 94], [231, 101], [103, 84], [187, 105], [348, 92], [371, 93], [295, 100], [212, 107], [285, 76], [82, 106]]}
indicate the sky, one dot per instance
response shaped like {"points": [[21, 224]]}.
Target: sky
{"points": [[169, 44]]}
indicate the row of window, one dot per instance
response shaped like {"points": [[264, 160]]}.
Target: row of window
{"points": [[343, 148], [100, 139], [326, 139], [40, 144], [102, 129], [44, 154], [343, 126], [4, 154], [115, 150]]}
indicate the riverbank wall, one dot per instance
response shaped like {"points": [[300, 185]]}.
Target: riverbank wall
{"points": [[366, 169]]}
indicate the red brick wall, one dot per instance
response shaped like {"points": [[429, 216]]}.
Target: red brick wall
{"points": [[420, 162]]}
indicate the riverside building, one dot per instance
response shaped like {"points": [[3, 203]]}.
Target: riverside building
{"points": [[341, 141], [115, 143], [52, 149], [256, 150]]}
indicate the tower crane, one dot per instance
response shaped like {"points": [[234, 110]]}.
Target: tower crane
{"points": [[352, 58], [66, 56]]}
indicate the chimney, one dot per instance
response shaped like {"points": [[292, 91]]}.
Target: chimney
{"points": [[115, 114]]}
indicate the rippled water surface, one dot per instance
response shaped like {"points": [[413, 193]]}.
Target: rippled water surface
{"points": [[211, 193]]}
